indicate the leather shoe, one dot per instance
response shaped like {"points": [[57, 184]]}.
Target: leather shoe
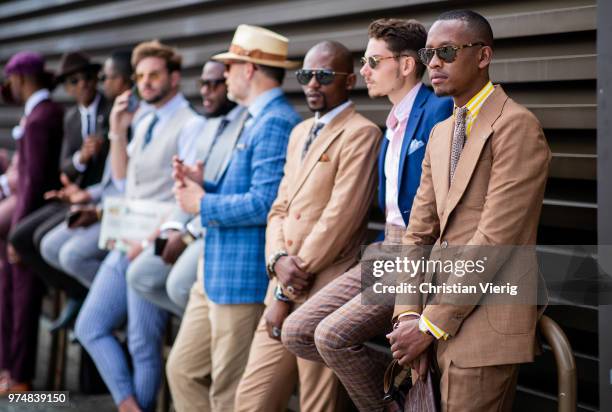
{"points": [[68, 315]]}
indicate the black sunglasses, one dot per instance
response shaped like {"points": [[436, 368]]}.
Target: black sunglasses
{"points": [[323, 76], [447, 54], [211, 83], [75, 79]]}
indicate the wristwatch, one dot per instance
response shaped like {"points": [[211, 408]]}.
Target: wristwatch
{"points": [[279, 295], [187, 238], [272, 261]]}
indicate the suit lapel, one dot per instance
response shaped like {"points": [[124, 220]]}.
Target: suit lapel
{"points": [[480, 133], [411, 127], [229, 138], [326, 137]]}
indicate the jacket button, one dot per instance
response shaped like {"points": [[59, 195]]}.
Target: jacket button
{"points": [[289, 242], [444, 244], [298, 216]]}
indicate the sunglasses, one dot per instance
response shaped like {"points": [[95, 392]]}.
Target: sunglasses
{"points": [[210, 83], [153, 76], [104, 77], [374, 61], [323, 76], [447, 54]]}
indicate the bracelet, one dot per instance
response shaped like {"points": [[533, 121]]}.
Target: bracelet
{"points": [[272, 261], [144, 244], [279, 295]]}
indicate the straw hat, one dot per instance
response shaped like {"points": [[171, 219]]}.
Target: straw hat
{"points": [[260, 46]]}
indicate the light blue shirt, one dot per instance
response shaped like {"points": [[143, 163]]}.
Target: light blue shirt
{"points": [[260, 102]]}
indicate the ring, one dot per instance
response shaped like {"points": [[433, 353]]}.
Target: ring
{"points": [[276, 331], [290, 289]]}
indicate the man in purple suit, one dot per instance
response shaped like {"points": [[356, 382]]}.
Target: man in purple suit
{"points": [[38, 148]]}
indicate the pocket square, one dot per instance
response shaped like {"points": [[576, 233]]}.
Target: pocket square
{"points": [[240, 146], [415, 145], [324, 158]]}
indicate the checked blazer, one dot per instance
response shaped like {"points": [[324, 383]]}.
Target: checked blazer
{"points": [[235, 210]]}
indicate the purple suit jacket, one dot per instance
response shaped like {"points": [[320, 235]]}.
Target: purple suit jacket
{"points": [[39, 153]]}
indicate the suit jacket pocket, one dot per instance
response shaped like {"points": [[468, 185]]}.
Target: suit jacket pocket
{"points": [[512, 319]]}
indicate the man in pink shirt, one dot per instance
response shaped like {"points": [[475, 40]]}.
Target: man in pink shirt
{"points": [[333, 325]]}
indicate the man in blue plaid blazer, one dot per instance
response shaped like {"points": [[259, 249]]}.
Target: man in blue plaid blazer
{"points": [[226, 301]]}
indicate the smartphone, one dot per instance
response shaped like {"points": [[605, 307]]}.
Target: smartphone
{"points": [[133, 100], [71, 217], [160, 244]]}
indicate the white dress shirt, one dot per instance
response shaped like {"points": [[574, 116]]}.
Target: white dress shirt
{"points": [[88, 127]]}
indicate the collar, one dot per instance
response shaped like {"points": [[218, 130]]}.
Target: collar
{"points": [[36, 97], [478, 100], [329, 116], [234, 113], [92, 108], [168, 109], [402, 110], [262, 101]]}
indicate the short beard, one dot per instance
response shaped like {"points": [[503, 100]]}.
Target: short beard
{"points": [[224, 109], [163, 93]]}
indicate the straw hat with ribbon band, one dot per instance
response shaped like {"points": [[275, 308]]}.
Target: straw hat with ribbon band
{"points": [[76, 62], [260, 46]]}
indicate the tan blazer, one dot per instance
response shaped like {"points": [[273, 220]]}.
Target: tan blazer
{"points": [[495, 199], [321, 211]]}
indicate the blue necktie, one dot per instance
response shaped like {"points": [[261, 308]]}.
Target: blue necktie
{"points": [[149, 134]]}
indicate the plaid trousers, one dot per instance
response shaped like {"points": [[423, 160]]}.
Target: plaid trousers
{"points": [[333, 327]]}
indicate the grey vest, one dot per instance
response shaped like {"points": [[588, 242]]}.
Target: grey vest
{"points": [[149, 174]]}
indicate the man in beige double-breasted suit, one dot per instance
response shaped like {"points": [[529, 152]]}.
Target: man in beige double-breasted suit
{"points": [[482, 185], [315, 229]]}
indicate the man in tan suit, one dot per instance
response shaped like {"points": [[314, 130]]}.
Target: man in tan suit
{"points": [[315, 229], [482, 185]]}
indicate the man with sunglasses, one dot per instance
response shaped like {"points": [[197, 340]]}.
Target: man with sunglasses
{"points": [[315, 229], [484, 176], [333, 325], [142, 168]]}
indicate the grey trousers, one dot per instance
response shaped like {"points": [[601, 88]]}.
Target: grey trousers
{"points": [[74, 251], [164, 285]]}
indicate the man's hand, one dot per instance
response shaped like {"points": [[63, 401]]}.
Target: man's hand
{"points": [[189, 196], [65, 192], [120, 119], [86, 216], [181, 171], [90, 148], [174, 247], [12, 255], [421, 364], [134, 249], [408, 342], [289, 273], [275, 316]]}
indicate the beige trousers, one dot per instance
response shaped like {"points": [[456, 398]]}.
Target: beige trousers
{"points": [[210, 352], [271, 376]]}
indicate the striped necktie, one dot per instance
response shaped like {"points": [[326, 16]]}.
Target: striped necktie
{"points": [[149, 133], [458, 139], [314, 131]]}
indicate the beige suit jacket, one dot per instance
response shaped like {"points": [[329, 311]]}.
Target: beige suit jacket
{"points": [[495, 200], [321, 210]]}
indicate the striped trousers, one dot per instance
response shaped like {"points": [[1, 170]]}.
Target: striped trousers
{"points": [[106, 308]]}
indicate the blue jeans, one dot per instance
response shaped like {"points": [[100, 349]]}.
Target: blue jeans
{"points": [[108, 304]]}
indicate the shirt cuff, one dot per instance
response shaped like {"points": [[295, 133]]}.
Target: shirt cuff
{"points": [[426, 325], [80, 167], [172, 225], [409, 313], [6, 189]]}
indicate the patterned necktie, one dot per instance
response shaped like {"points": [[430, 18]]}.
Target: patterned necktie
{"points": [[314, 131], [149, 134], [458, 139]]}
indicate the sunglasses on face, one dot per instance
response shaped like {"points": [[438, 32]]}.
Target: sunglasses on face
{"points": [[323, 76], [374, 61], [153, 76], [105, 77], [210, 83], [447, 54]]}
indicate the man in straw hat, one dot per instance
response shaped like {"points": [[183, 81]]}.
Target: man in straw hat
{"points": [[212, 346], [38, 148]]}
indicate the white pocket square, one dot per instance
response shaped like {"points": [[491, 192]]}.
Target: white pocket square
{"points": [[415, 145]]}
